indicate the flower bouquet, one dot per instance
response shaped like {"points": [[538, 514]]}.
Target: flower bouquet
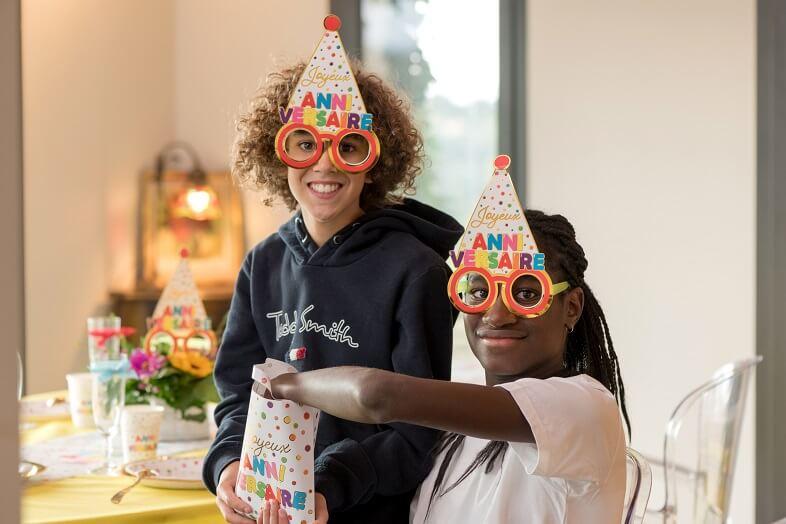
{"points": [[181, 378]]}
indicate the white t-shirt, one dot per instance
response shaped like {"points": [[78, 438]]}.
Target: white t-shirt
{"points": [[575, 472]]}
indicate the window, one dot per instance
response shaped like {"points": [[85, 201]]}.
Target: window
{"points": [[452, 82], [461, 64]]}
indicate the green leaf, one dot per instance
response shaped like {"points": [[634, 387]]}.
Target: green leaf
{"points": [[205, 389], [134, 395]]}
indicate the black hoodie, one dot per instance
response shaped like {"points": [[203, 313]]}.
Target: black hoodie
{"points": [[374, 295]]}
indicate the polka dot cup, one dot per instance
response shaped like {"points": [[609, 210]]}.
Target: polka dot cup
{"points": [[140, 429]]}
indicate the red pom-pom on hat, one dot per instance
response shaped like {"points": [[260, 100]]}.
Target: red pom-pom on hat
{"points": [[502, 162], [332, 23]]}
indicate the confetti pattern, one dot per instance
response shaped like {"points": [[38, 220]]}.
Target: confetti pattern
{"points": [[328, 72], [173, 473], [181, 291], [277, 460], [499, 211]]}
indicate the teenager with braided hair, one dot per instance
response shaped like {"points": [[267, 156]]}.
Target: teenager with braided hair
{"points": [[542, 441], [589, 347]]}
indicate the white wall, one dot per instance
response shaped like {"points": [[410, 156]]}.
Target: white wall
{"points": [[106, 85], [641, 131], [221, 57], [97, 105]]}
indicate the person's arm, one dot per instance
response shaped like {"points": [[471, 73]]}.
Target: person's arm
{"points": [[240, 349], [375, 396], [396, 459]]}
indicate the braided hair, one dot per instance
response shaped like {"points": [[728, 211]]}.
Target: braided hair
{"points": [[589, 349]]}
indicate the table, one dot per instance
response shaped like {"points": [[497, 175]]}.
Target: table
{"points": [[86, 499]]}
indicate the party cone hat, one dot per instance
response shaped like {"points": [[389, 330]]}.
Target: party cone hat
{"points": [[180, 297], [497, 234], [327, 95]]}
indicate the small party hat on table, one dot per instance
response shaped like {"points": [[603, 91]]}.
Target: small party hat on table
{"points": [[497, 236], [326, 95], [180, 296], [180, 313]]}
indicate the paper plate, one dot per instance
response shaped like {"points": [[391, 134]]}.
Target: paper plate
{"points": [[170, 472], [43, 410]]}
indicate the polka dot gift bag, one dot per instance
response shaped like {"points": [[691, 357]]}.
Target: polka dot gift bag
{"points": [[278, 449]]}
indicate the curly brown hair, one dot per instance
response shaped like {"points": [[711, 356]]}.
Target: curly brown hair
{"points": [[254, 160]]}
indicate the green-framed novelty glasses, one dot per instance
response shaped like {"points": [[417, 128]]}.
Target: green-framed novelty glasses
{"points": [[351, 150], [526, 292]]}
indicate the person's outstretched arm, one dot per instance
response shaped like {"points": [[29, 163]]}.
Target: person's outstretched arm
{"points": [[396, 458], [375, 396], [574, 422]]}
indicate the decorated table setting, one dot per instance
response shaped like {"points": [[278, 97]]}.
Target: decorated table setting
{"points": [[140, 418]]}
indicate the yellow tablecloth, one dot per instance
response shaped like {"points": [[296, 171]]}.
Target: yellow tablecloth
{"points": [[87, 499]]}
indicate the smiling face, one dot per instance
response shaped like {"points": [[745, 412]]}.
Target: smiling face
{"points": [[509, 346], [327, 196]]}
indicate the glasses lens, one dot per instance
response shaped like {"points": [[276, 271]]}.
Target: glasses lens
{"points": [[198, 342], [473, 289], [354, 149], [527, 291], [300, 145], [162, 342]]}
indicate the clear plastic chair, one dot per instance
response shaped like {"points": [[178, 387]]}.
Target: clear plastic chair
{"points": [[637, 488], [719, 405]]}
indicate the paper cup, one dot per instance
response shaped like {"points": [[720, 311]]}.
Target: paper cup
{"points": [[80, 399], [140, 428]]}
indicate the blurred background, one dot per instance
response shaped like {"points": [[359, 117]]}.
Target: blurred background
{"points": [[636, 120]]}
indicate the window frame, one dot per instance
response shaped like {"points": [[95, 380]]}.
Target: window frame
{"points": [[511, 117]]}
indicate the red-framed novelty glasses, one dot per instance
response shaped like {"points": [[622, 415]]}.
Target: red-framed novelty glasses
{"points": [[201, 340], [526, 292], [351, 150]]}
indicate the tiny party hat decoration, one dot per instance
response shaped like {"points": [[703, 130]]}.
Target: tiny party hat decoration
{"points": [[327, 95], [497, 236], [180, 294], [179, 319]]}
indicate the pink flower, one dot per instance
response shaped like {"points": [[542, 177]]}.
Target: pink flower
{"points": [[145, 364]]}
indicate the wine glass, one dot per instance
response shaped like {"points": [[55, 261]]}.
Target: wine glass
{"points": [[107, 364], [103, 342], [108, 400]]}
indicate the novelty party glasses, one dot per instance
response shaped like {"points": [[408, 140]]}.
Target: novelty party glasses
{"points": [[201, 340], [526, 293], [351, 150]]}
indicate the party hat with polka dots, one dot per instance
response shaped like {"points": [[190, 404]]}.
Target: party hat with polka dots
{"points": [[327, 95], [180, 296], [498, 225]]}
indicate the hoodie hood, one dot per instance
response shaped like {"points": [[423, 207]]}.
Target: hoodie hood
{"points": [[437, 230]]}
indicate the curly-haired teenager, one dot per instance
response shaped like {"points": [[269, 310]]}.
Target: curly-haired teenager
{"points": [[357, 277], [541, 442]]}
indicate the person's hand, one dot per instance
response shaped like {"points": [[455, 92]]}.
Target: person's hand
{"points": [[278, 386], [272, 513], [320, 509], [226, 499]]}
